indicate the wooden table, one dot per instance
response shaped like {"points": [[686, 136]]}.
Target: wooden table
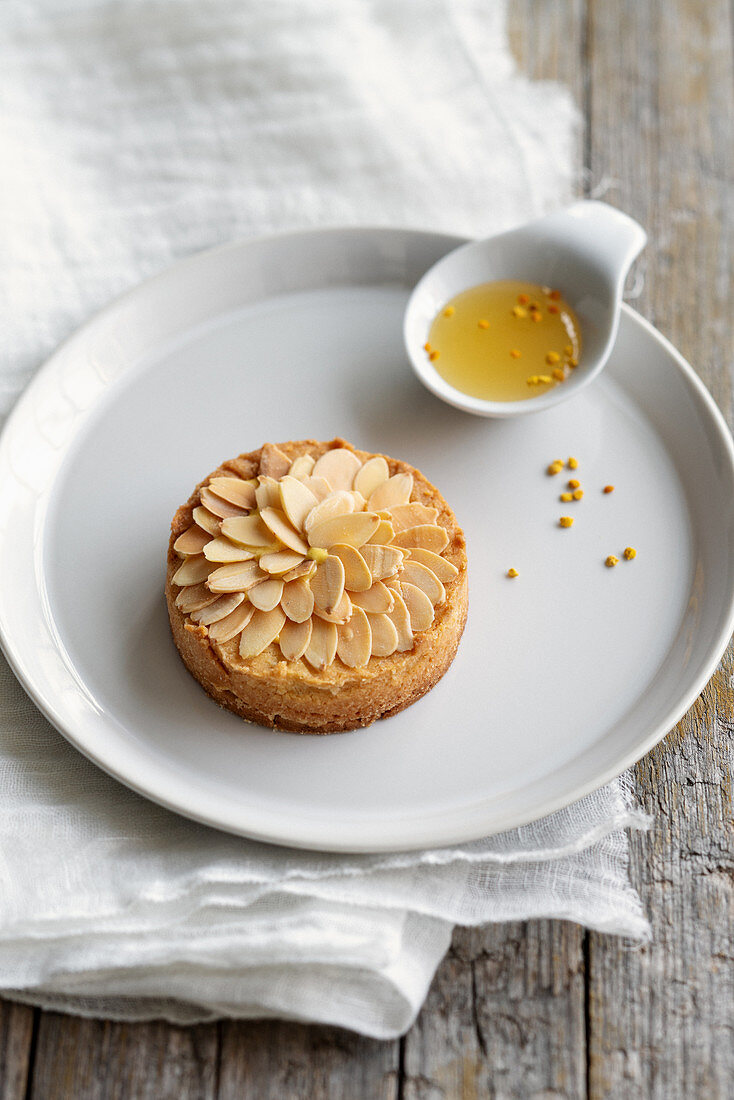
{"points": [[541, 1010]]}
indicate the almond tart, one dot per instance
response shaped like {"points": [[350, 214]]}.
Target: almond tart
{"points": [[316, 588]]}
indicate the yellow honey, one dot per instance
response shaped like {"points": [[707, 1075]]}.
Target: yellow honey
{"points": [[495, 340]]}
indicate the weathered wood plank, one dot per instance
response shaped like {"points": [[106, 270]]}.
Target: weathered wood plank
{"points": [[101, 1060], [16, 1034], [504, 1018], [272, 1060], [661, 107]]}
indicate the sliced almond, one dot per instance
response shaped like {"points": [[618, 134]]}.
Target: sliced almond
{"points": [[206, 520], [218, 610], [357, 577], [382, 561], [267, 494], [301, 467], [415, 573], [419, 606], [340, 614], [443, 569], [294, 638], [262, 629], [372, 474], [193, 571], [281, 562], [192, 541], [218, 505], [327, 584], [339, 467], [393, 582], [273, 463], [237, 577], [384, 635], [222, 550], [321, 648], [194, 597], [266, 595], [384, 533], [296, 500], [283, 530], [400, 618], [235, 490], [423, 537], [236, 621], [247, 531], [354, 640], [339, 503], [412, 515], [306, 569], [378, 599], [319, 486], [354, 530], [297, 601], [359, 501], [396, 490]]}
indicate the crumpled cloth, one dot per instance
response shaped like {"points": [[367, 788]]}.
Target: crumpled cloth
{"points": [[136, 132]]}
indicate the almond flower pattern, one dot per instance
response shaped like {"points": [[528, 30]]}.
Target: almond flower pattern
{"points": [[326, 557]]}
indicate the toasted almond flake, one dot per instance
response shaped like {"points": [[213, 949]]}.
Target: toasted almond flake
{"points": [[207, 520], [412, 515], [360, 503], [273, 463], [425, 579], [294, 638], [321, 648], [262, 629], [357, 577], [222, 550], [340, 614], [306, 569], [218, 506], [266, 595], [247, 531], [222, 607], [236, 621], [396, 490], [296, 500], [302, 466], [372, 474], [235, 490], [283, 530], [384, 534], [237, 577], [194, 597], [193, 571], [319, 486], [425, 537], [382, 561], [384, 635], [419, 607], [354, 640], [339, 467], [378, 599], [267, 494], [354, 529], [393, 583], [327, 584], [192, 541], [400, 618], [338, 503], [281, 562], [444, 570], [297, 601]]}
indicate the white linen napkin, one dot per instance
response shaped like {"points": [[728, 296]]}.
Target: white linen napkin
{"points": [[135, 132]]}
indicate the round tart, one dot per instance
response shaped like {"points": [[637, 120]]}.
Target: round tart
{"points": [[316, 588]]}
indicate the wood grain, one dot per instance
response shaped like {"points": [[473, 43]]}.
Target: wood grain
{"points": [[16, 1042]]}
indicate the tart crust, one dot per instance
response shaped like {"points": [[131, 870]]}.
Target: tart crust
{"points": [[290, 695]]}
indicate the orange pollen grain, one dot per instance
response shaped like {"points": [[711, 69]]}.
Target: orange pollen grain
{"points": [[483, 324], [574, 483], [515, 353], [433, 356], [608, 488]]}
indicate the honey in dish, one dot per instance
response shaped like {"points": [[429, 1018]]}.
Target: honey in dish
{"points": [[505, 340]]}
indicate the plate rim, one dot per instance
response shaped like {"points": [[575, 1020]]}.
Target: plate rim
{"points": [[316, 839]]}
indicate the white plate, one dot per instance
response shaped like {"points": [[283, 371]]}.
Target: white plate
{"points": [[564, 677]]}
